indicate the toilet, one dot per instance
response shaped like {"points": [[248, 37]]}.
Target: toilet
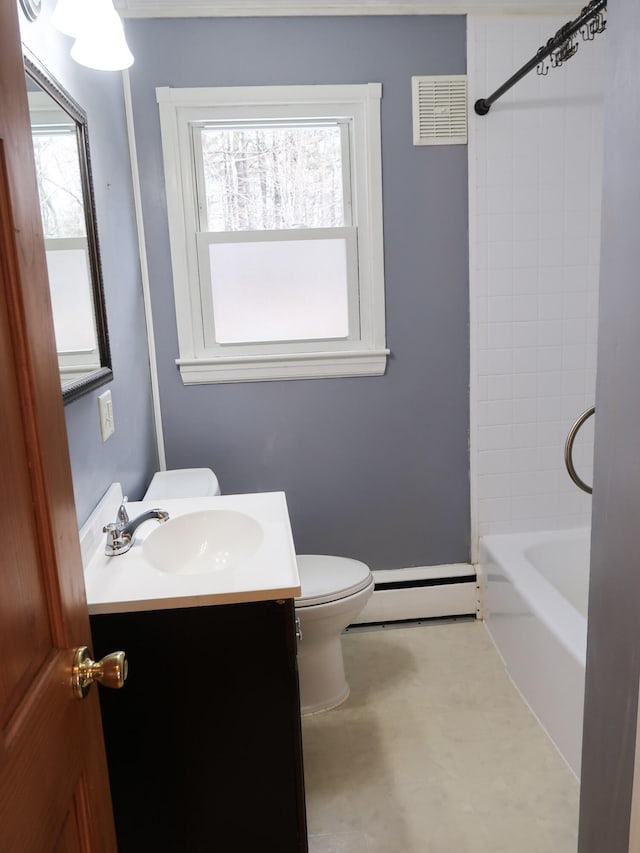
{"points": [[333, 592], [182, 483]]}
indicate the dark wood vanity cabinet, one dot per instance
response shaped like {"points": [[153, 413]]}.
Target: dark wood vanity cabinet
{"points": [[203, 741]]}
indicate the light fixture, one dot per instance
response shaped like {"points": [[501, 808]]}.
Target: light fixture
{"points": [[67, 16], [98, 31]]}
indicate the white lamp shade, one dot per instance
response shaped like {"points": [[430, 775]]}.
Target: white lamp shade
{"points": [[101, 43], [68, 16]]}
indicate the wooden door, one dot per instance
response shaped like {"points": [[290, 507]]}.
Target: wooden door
{"points": [[54, 793]]}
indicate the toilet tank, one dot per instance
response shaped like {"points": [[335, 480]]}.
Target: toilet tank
{"points": [[182, 483]]}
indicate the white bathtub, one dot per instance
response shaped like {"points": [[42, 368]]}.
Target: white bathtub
{"points": [[535, 608]]}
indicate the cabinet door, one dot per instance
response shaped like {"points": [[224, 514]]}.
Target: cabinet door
{"points": [[205, 749]]}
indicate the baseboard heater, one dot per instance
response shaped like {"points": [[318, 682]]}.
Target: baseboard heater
{"points": [[427, 592]]}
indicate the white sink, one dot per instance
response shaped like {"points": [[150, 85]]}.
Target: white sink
{"points": [[206, 541], [217, 550]]}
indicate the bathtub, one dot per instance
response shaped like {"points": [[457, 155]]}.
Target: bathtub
{"points": [[535, 608]]}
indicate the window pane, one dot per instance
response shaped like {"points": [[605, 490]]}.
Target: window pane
{"points": [[71, 300], [279, 291], [59, 185], [267, 178]]}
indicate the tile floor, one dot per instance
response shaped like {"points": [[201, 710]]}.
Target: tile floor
{"points": [[433, 752]]}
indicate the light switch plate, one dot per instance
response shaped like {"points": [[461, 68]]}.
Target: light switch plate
{"points": [[105, 408]]}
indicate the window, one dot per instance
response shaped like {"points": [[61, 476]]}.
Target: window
{"points": [[275, 219], [55, 146]]}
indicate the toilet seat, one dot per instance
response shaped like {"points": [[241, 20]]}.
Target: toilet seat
{"points": [[324, 579]]}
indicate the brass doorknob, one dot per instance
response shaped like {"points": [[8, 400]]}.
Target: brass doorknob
{"points": [[111, 671]]}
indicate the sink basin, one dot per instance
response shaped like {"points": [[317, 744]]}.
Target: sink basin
{"points": [[199, 542]]}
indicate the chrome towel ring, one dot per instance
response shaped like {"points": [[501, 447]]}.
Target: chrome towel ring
{"points": [[568, 451]]}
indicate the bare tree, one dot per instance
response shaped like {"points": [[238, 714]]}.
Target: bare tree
{"points": [[59, 184], [265, 177]]}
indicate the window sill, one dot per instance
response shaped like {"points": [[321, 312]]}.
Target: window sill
{"points": [[261, 368]]}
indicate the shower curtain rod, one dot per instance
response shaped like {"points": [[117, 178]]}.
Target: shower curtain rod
{"points": [[560, 47]]}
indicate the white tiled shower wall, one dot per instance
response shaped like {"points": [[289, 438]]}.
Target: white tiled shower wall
{"points": [[535, 170]]}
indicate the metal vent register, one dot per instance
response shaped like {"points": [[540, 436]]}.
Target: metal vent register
{"points": [[439, 110]]}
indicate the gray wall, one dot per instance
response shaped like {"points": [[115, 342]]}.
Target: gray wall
{"points": [[613, 645], [129, 456], [375, 468]]}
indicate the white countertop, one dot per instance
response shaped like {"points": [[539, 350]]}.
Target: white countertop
{"points": [[128, 582]]}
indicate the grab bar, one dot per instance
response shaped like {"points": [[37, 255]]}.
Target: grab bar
{"points": [[568, 451]]}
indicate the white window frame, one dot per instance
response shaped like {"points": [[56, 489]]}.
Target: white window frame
{"points": [[201, 358]]}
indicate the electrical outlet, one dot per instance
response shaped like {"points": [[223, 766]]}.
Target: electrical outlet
{"points": [[105, 408]]}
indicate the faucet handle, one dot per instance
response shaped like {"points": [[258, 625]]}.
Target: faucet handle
{"points": [[123, 515], [113, 531]]}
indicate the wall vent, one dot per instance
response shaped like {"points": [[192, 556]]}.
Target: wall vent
{"points": [[439, 110]]}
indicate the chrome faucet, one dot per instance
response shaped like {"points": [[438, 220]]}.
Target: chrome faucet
{"points": [[120, 534]]}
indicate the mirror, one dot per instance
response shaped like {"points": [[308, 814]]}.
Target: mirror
{"points": [[63, 169]]}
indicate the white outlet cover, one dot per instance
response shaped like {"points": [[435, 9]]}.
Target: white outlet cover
{"points": [[105, 409]]}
